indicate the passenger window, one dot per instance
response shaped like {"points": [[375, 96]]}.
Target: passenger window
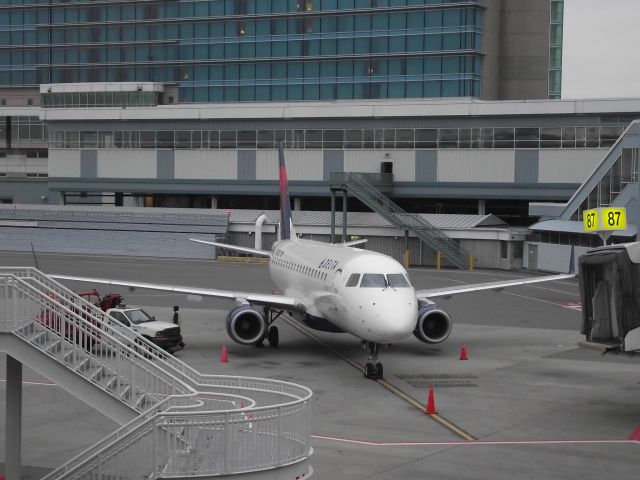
{"points": [[373, 280], [353, 280], [397, 280]]}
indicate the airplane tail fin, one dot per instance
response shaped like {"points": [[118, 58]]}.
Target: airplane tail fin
{"points": [[287, 231]]}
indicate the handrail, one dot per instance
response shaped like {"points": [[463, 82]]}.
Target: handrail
{"points": [[380, 203], [187, 407]]}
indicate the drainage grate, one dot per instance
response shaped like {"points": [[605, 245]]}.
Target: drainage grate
{"points": [[421, 380]]}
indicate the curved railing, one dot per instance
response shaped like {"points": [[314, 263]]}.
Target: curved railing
{"points": [[189, 423]]}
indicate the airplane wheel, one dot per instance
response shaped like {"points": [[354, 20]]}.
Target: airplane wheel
{"points": [[273, 337], [379, 370], [368, 370]]}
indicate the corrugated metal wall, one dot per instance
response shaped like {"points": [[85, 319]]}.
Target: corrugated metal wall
{"points": [[127, 163], [478, 166], [570, 166], [64, 163]]}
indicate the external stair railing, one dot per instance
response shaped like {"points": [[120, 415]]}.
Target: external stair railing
{"points": [[433, 237], [186, 423]]}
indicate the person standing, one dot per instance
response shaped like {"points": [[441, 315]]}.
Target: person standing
{"points": [[176, 315]]}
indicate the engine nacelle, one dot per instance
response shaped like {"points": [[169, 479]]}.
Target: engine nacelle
{"points": [[246, 325], [434, 324]]}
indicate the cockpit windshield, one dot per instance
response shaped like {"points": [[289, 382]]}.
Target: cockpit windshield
{"points": [[398, 280], [379, 280]]}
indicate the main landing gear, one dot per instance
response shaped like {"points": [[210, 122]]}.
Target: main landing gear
{"points": [[373, 368], [272, 335]]}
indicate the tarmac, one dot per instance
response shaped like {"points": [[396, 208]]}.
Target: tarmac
{"points": [[527, 404]]}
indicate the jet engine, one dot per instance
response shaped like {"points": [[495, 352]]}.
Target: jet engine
{"points": [[246, 325], [434, 324]]}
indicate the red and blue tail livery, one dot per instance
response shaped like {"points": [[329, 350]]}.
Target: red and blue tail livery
{"points": [[286, 223]]}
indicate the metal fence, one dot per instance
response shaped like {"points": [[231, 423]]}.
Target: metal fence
{"points": [[189, 423]]}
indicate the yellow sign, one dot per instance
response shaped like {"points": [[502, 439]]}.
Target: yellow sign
{"points": [[613, 219], [603, 219], [590, 219]]}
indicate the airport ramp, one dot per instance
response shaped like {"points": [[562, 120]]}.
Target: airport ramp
{"points": [[175, 421]]}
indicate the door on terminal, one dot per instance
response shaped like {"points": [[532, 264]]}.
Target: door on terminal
{"points": [[532, 257]]}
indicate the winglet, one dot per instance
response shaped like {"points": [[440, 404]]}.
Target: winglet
{"points": [[287, 231]]}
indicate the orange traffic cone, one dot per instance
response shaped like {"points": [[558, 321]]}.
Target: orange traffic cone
{"points": [[224, 356], [463, 352], [431, 403]]}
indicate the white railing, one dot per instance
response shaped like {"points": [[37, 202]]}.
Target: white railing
{"points": [[190, 424]]}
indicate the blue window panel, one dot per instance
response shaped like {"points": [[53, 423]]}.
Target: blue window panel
{"points": [[329, 4], [328, 47], [433, 18], [396, 90], [345, 69], [312, 92], [397, 66], [416, 20], [414, 89], [327, 91], [380, 44], [397, 3], [328, 69], [295, 71], [295, 92], [279, 70], [450, 88], [278, 93], [433, 65], [450, 65], [397, 44], [345, 23], [359, 90], [216, 51], [231, 94], [380, 21], [294, 48], [279, 49], [263, 93], [362, 22], [397, 21], [345, 46], [414, 66], [415, 43], [433, 42], [247, 50], [231, 50], [247, 93], [451, 18], [312, 47], [216, 94], [328, 24], [362, 45], [311, 70], [451, 41], [344, 90], [201, 9], [263, 71]]}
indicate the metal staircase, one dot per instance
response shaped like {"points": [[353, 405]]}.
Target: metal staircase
{"points": [[176, 421], [358, 186]]}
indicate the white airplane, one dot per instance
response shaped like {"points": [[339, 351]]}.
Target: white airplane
{"points": [[332, 288]]}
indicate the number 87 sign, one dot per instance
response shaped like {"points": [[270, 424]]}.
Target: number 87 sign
{"points": [[602, 219]]}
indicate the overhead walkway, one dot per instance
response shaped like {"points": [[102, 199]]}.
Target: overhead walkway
{"points": [[175, 421], [614, 182], [361, 187]]}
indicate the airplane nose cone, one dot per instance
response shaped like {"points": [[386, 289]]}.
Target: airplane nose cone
{"points": [[394, 321]]}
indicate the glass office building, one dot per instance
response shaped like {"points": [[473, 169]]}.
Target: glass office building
{"points": [[249, 50]]}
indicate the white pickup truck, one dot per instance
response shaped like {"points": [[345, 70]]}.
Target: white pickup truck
{"points": [[135, 320]]}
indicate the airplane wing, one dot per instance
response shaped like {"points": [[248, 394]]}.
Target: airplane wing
{"points": [[263, 253], [267, 300], [497, 286]]}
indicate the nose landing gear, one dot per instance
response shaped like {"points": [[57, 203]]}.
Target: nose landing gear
{"points": [[373, 369]]}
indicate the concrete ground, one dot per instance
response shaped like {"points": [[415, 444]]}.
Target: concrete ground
{"points": [[527, 404]]}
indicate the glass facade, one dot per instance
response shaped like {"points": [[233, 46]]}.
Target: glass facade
{"points": [[387, 138], [249, 50], [555, 48]]}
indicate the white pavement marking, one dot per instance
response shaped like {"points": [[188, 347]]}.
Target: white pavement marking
{"points": [[471, 442]]}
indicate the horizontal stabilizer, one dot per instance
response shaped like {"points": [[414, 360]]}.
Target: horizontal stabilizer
{"points": [[254, 251], [352, 243]]}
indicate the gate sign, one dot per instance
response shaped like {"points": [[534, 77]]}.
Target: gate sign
{"points": [[603, 219]]}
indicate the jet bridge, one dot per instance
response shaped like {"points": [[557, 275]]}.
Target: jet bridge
{"points": [[610, 292]]}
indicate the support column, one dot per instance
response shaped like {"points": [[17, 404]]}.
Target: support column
{"points": [[333, 216], [344, 215], [297, 204], [13, 421], [214, 202], [482, 207]]}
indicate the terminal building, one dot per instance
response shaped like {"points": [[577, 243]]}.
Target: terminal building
{"points": [[183, 103]]}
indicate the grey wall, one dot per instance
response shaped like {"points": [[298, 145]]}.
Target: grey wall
{"points": [[524, 50], [28, 190]]}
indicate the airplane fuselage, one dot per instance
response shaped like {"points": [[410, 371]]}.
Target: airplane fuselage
{"points": [[357, 291]]}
